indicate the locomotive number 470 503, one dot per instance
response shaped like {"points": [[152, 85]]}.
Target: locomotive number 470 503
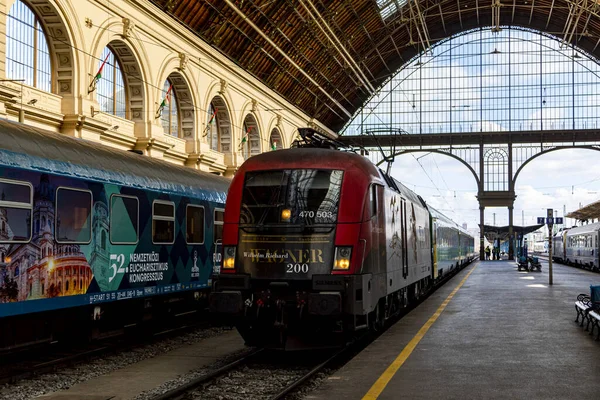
{"points": [[318, 214]]}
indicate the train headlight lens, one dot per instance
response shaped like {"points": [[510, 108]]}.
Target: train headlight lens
{"points": [[286, 214], [229, 259], [342, 258]]}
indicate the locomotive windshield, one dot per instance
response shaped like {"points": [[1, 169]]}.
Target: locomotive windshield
{"points": [[302, 197]]}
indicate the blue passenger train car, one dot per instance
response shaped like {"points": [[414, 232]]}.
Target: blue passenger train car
{"points": [[90, 228]]}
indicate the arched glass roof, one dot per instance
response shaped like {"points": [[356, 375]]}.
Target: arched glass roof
{"points": [[484, 81]]}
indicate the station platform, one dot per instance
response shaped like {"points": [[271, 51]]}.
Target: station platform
{"points": [[503, 334]]}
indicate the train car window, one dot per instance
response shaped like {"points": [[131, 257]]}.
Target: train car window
{"points": [[218, 225], [194, 224], [16, 204], [124, 219], [73, 215], [373, 200], [163, 222]]}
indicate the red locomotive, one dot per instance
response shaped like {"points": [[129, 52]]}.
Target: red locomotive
{"points": [[318, 244]]}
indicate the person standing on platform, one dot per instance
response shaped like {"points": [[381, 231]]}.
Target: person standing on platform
{"points": [[487, 253]]}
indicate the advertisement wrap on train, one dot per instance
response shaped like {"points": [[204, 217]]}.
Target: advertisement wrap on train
{"points": [[78, 242]]}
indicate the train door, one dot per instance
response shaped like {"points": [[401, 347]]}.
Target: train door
{"points": [[217, 239], [434, 254]]}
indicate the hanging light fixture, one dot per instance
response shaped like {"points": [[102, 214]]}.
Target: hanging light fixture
{"points": [[544, 98]]}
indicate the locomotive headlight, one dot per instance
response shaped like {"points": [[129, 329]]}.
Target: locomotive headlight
{"points": [[229, 259], [286, 214], [342, 258]]}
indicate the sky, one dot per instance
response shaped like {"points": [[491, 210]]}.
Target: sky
{"points": [[560, 179]]}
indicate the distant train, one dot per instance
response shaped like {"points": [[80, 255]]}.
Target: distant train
{"points": [[319, 244], [578, 246], [89, 233]]}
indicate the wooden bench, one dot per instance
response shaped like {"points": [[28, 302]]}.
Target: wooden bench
{"points": [[583, 305], [588, 309]]}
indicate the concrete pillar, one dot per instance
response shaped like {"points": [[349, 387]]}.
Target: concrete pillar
{"points": [[481, 234]]}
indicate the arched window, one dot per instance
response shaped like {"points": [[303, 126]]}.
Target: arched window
{"points": [[214, 139], [110, 90], [275, 140], [67, 285], [245, 141], [43, 222], [27, 55], [170, 114]]}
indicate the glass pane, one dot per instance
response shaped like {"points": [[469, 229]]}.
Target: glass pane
{"points": [[24, 39], [164, 210], [312, 196], [110, 88], [16, 226], [163, 231], [195, 225], [15, 192], [73, 215], [123, 220], [218, 233]]}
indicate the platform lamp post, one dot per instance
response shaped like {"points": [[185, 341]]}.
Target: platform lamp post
{"points": [[550, 221]]}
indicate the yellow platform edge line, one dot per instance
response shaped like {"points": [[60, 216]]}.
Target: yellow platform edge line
{"points": [[389, 373]]}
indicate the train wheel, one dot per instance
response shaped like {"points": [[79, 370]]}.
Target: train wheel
{"points": [[377, 318]]}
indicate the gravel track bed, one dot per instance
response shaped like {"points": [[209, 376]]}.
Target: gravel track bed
{"points": [[69, 376], [262, 378], [182, 380], [253, 381]]}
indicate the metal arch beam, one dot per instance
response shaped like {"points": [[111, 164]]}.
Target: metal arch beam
{"points": [[407, 151], [306, 75], [586, 147], [476, 138]]}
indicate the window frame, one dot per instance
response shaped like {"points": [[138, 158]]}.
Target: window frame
{"points": [[37, 27], [203, 224], [373, 201], [118, 65], [161, 218], [110, 216], [215, 222], [15, 204], [213, 109], [169, 111], [56, 238]]}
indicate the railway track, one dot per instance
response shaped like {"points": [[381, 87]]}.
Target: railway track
{"points": [[259, 374]]}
